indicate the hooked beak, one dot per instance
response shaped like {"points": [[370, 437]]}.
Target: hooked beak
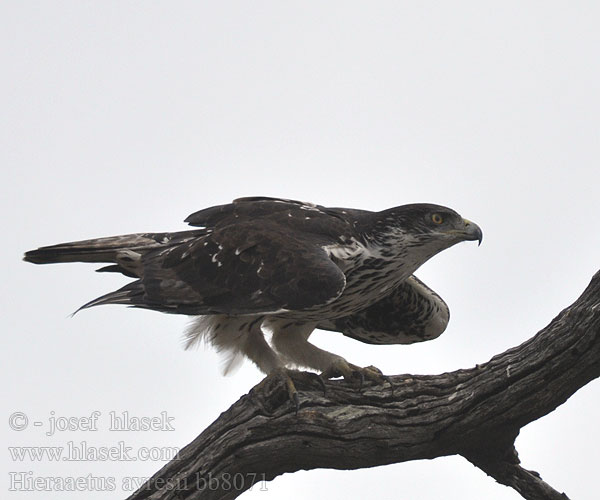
{"points": [[472, 231]]}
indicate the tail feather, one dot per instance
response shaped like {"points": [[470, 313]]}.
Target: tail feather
{"points": [[95, 250], [124, 254], [116, 268], [106, 249], [125, 295]]}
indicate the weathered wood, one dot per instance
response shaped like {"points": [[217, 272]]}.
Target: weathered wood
{"points": [[476, 413], [504, 467]]}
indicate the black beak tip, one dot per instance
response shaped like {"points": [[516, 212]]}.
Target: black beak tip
{"points": [[479, 235], [474, 231]]}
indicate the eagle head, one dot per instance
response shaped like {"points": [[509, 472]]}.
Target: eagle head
{"points": [[428, 227]]}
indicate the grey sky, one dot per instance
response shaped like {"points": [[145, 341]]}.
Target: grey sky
{"points": [[127, 116]]}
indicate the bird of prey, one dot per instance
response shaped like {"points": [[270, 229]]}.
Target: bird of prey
{"points": [[286, 267]]}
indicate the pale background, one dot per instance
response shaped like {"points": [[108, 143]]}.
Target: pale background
{"points": [[123, 117]]}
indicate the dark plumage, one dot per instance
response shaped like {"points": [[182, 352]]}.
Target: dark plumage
{"points": [[287, 266]]}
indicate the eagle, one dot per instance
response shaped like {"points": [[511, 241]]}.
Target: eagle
{"points": [[264, 265]]}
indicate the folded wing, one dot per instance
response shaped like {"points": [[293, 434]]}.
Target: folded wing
{"points": [[256, 267], [413, 312]]}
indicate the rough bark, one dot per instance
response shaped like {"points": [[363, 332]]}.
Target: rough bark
{"points": [[476, 413]]}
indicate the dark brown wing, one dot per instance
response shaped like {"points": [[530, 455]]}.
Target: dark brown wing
{"points": [[255, 267], [250, 208]]}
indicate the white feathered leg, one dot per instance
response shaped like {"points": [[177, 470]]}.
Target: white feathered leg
{"points": [[236, 337], [290, 340]]}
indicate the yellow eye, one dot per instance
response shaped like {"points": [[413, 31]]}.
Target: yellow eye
{"points": [[437, 219]]}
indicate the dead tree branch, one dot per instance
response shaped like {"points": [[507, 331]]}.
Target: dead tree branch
{"points": [[476, 413]]}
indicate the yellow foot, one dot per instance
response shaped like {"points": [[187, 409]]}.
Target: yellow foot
{"points": [[352, 373], [289, 378]]}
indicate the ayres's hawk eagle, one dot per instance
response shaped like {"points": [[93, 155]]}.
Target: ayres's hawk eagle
{"points": [[288, 267]]}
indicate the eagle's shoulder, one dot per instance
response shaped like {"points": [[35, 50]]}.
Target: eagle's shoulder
{"points": [[307, 221], [246, 208]]}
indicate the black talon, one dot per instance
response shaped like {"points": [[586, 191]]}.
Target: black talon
{"points": [[290, 377], [361, 376], [389, 381], [319, 380]]}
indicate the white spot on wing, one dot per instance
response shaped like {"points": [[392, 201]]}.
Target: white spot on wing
{"points": [[311, 208], [350, 251]]}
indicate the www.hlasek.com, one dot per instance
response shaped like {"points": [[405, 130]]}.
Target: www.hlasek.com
{"points": [[81, 451], [27, 481]]}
